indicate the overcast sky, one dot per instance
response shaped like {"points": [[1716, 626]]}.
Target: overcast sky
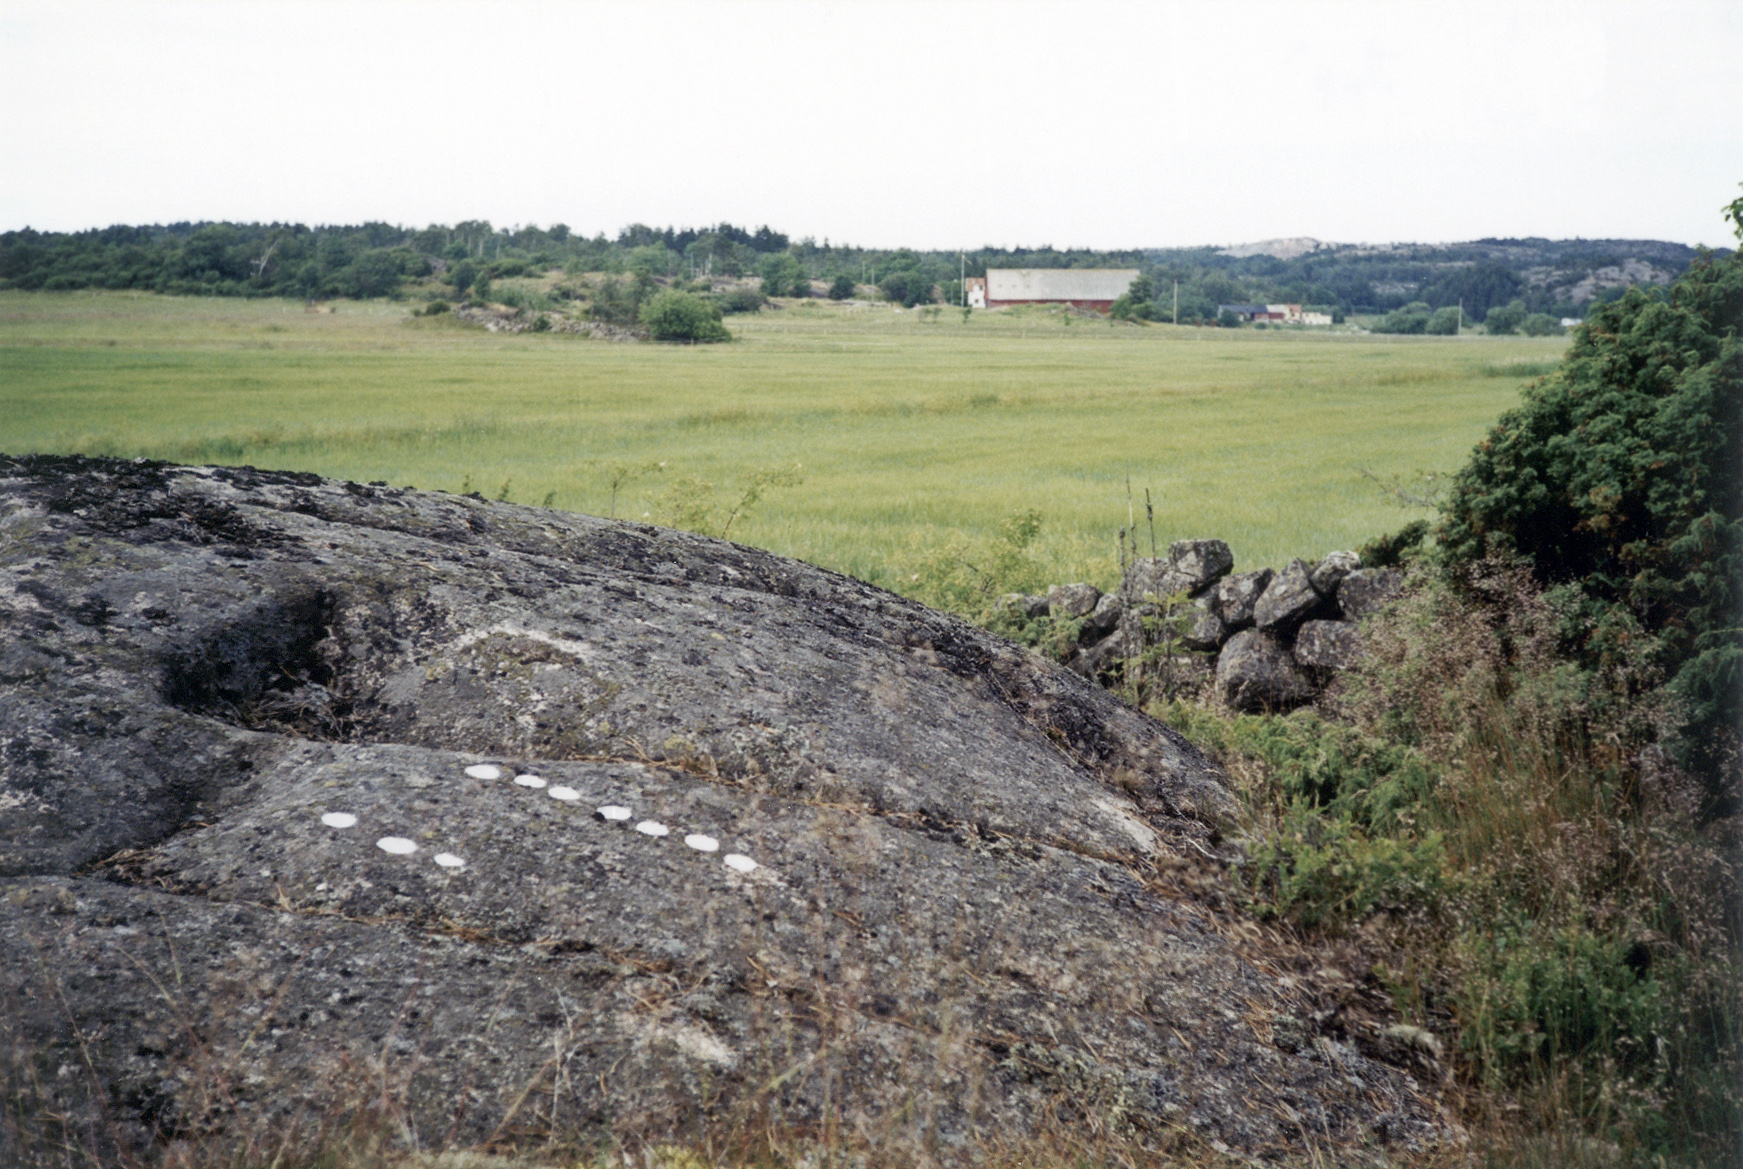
{"points": [[929, 123]]}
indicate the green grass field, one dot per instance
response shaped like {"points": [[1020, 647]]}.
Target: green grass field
{"points": [[916, 432]]}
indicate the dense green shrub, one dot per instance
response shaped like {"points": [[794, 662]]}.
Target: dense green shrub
{"points": [[1444, 322], [740, 300], [683, 316], [1541, 325], [1504, 320], [841, 288], [782, 276], [907, 287], [1622, 472], [1412, 318]]}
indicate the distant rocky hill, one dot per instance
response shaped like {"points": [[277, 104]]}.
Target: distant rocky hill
{"points": [[1562, 277], [324, 804]]}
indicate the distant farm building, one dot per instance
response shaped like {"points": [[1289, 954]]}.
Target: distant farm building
{"points": [[1282, 314], [1088, 288]]}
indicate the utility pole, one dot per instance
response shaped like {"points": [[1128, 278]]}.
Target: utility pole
{"points": [[1177, 304], [1459, 329], [962, 278]]}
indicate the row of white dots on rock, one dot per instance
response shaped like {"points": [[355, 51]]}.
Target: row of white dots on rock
{"points": [[609, 813]]}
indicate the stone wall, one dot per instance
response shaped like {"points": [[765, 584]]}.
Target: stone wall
{"points": [[1266, 639]]}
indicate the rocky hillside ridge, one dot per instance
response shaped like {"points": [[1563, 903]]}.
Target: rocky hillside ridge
{"points": [[322, 800]]}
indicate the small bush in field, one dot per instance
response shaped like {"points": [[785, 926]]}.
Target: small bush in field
{"points": [[682, 316]]}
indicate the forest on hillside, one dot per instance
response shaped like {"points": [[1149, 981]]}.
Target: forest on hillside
{"points": [[1560, 278]]}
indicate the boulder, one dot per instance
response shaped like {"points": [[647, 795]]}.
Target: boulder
{"points": [[1104, 618], [1201, 628], [322, 801], [1255, 673], [1330, 572], [1072, 600], [1236, 595], [1101, 660], [1287, 601], [1367, 589], [1027, 605], [1328, 645], [1190, 567], [1200, 562], [1150, 579]]}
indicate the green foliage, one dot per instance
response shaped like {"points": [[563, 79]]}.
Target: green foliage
{"points": [[1322, 870], [1412, 318], [616, 301], [1506, 319], [1484, 809], [740, 300], [783, 276], [907, 287], [841, 288], [1443, 322], [690, 503], [1544, 325], [1623, 472], [435, 308], [969, 577], [1136, 303], [683, 316], [1390, 549]]}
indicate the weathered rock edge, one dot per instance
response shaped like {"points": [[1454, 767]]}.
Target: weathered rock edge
{"points": [[959, 923]]}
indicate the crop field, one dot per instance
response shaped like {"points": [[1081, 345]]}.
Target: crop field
{"points": [[915, 433]]}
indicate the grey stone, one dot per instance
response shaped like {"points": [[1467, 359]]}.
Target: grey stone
{"points": [[1288, 600], [1255, 673], [1030, 605], [1200, 562], [1152, 578], [1331, 645], [1236, 595], [952, 839], [1366, 590], [1105, 618], [1072, 600], [1202, 629], [1100, 660], [1330, 571], [1190, 567]]}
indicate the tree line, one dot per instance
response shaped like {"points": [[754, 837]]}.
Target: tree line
{"points": [[1524, 278]]}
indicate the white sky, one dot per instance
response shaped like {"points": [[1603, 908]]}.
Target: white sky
{"points": [[929, 123]]}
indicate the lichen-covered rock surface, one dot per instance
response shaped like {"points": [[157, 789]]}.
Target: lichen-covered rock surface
{"points": [[301, 791]]}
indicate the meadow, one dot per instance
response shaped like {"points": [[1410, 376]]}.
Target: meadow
{"points": [[917, 432]]}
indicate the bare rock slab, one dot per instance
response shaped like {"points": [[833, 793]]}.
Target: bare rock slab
{"points": [[558, 825]]}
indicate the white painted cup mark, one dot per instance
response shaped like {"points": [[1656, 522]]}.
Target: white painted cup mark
{"points": [[339, 820], [532, 781], [616, 812], [449, 861], [484, 771], [738, 862], [702, 843], [398, 845], [652, 828], [567, 794]]}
